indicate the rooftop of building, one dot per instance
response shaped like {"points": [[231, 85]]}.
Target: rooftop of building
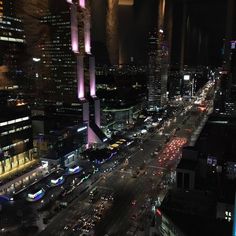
{"points": [[195, 225], [58, 153], [217, 138], [194, 212]]}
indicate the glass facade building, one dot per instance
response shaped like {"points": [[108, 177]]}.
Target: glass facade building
{"points": [[157, 71], [16, 141], [12, 41], [59, 63]]}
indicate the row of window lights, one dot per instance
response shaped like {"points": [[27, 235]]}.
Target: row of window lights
{"points": [[10, 18], [14, 121], [9, 28], [15, 144], [11, 39], [15, 130]]}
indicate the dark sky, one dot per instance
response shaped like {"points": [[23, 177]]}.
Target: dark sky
{"points": [[204, 38]]}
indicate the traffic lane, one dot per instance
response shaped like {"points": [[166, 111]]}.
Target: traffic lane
{"points": [[148, 147], [81, 200], [140, 196], [144, 155], [112, 181], [68, 218], [131, 189], [59, 216], [123, 196], [59, 220]]}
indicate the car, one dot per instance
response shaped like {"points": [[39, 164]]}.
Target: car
{"points": [[98, 216], [86, 229], [133, 202], [111, 197]]}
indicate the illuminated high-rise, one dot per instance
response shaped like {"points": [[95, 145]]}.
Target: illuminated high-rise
{"points": [[86, 83], [16, 136], [58, 62], [233, 61], [157, 71], [159, 60], [16, 141], [154, 81], [12, 41]]}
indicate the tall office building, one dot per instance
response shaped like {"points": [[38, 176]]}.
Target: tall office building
{"points": [[85, 63], [154, 81], [157, 71], [58, 62], [232, 72], [164, 34], [12, 41], [16, 141], [233, 61], [159, 59], [16, 146]]}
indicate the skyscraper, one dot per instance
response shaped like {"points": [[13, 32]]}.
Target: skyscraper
{"points": [[16, 141], [90, 102], [229, 31], [157, 71], [154, 81], [58, 62], [12, 41], [57, 59], [233, 62]]}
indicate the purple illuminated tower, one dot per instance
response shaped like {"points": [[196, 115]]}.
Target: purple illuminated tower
{"points": [[90, 102]]}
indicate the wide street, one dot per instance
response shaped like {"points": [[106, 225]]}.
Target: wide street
{"points": [[133, 193]]}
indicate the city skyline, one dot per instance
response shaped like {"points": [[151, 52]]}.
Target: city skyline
{"points": [[118, 117]]}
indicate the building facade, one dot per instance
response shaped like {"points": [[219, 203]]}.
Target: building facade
{"points": [[85, 70], [58, 61], [12, 41], [16, 141], [157, 71]]}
